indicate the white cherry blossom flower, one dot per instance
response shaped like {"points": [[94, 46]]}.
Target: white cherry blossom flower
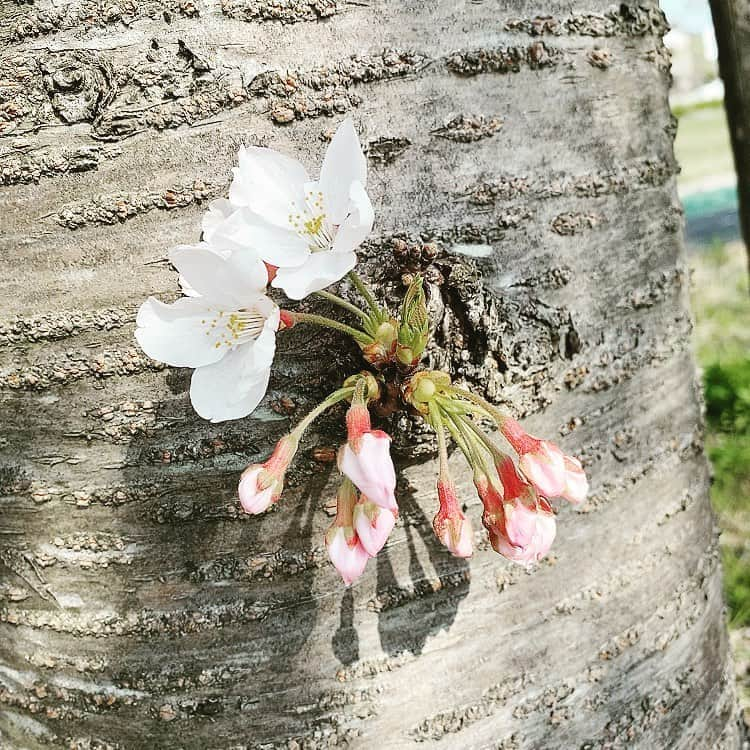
{"points": [[225, 329], [309, 230]]}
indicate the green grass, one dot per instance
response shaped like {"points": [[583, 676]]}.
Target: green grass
{"points": [[682, 110], [702, 145], [736, 562], [721, 303], [721, 306]]}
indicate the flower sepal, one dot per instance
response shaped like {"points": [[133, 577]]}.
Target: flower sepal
{"points": [[381, 351], [491, 494], [261, 485], [450, 525], [422, 387]]}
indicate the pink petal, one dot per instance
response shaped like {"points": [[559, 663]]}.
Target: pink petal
{"points": [[349, 559], [545, 469], [253, 498], [576, 483], [373, 525], [520, 523], [371, 468]]}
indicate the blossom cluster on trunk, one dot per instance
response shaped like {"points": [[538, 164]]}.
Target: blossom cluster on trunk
{"points": [[280, 232]]}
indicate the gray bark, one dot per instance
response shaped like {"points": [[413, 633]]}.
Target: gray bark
{"points": [[732, 26], [139, 608]]}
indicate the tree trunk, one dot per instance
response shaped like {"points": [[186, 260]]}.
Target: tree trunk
{"points": [[732, 28], [140, 608]]}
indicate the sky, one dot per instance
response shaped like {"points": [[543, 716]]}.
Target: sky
{"points": [[692, 16]]}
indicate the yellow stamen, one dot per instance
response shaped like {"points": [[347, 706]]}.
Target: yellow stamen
{"points": [[312, 226]]}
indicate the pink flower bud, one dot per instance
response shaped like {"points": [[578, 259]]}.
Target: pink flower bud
{"points": [[576, 483], [545, 468], [520, 504], [346, 552], [542, 462], [373, 525], [367, 462], [254, 497], [527, 528], [537, 547], [344, 548], [451, 526], [261, 484]]}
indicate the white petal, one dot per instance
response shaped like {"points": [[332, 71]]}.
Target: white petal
{"points": [[319, 271], [343, 164], [279, 246], [233, 280], [218, 211], [175, 333], [271, 312], [268, 183], [234, 386], [187, 290], [358, 223]]}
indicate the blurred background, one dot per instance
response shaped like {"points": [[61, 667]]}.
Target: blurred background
{"points": [[721, 305]]}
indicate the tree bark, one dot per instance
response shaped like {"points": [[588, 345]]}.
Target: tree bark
{"points": [[140, 608], [732, 27]]}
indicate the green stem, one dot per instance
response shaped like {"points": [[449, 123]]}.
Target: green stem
{"points": [[493, 450], [336, 300], [476, 449], [321, 320], [489, 410], [436, 421], [460, 439], [364, 290], [339, 395]]}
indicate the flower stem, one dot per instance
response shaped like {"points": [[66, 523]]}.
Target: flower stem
{"points": [[339, 395], [321, 320], [485, 406], [336, 300], [473, 449], [485, 441], [459, 437], [436, 421], [364, 290]]}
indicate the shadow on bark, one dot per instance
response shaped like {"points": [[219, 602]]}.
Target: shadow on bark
{"points": [[345, 641], [404, 622], [225, 603]]}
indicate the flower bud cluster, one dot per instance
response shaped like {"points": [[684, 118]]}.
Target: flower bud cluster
{"points": [[400, 343], [517, 514], [366, 508]]}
